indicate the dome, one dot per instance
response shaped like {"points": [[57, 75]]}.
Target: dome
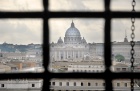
{"points": [[83, 41], [60, 41], [72, 31], [72, 35]]}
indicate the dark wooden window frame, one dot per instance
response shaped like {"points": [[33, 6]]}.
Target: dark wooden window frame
{"points": [[45, 15]]}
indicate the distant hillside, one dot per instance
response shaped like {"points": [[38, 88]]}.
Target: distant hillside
{"points": [[5, 47]]}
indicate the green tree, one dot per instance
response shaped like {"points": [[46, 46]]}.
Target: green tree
{"points": [[119, 57]]}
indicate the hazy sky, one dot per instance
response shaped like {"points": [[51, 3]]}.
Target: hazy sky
{"points": [[24, 31]]}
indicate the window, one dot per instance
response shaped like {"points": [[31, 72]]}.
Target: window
{"points": [[60, 83], [2, 85], [33, 85], [81, 83], [103, 84], [123, 69], [125, 84], [74, 83], [89, 84], [67, 83], [118, 84], [53, 83], [118, 69], [96, 84], [107, 14], [76, 55], [61, 57], [50, 83]]}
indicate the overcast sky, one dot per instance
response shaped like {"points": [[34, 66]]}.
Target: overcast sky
{"points": [[24, 31]]}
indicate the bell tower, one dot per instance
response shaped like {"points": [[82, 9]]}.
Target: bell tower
{"points": [[125, 39]]}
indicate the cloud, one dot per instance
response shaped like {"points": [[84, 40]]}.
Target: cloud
{"points": [[21, 5], [120, 25], [19, 32], [76, 5], [90, 29], [93, 29], [30, 30], [124, 5]]}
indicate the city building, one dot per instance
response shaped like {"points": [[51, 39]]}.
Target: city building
{"points": [[89, 85], [74, 54], [75, 48], [21, 84]]}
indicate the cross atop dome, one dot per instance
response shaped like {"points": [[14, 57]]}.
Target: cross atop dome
{"points": [[72, 24]]}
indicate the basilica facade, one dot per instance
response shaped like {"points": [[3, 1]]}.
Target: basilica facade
{"points": [[75, 48]]}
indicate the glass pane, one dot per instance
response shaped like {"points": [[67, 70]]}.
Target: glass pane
{"points": [[21, 45], [21, 5], [21, 85], [76, 5], [126, 5], [77, 84], [121, 37], [76, 46]]}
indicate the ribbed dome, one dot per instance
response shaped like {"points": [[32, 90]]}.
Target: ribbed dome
{"points": [[72, 31], [72, 35]]}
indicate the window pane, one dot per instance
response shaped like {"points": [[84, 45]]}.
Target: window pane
{"points": [[76, 5], [21, 84], [124, 5], [21, 45], [21, 5], [76, 46], [121, 45]]}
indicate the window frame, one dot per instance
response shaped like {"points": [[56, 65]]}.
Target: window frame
{"points": [[45, 15]]}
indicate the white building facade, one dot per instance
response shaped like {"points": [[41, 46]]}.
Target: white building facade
{"points": [[89, 85], [21, 84], [75, 48]]}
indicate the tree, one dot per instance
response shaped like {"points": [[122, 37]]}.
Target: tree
{"points": [[119, 57]]}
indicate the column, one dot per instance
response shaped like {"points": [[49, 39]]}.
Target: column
{"points": [[64, 54], [78, 54], [59, 56], [73, 54], [54, 55], [67, 54]]}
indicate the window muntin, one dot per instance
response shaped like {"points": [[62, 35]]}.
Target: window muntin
{"points": [[106, 4]]}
